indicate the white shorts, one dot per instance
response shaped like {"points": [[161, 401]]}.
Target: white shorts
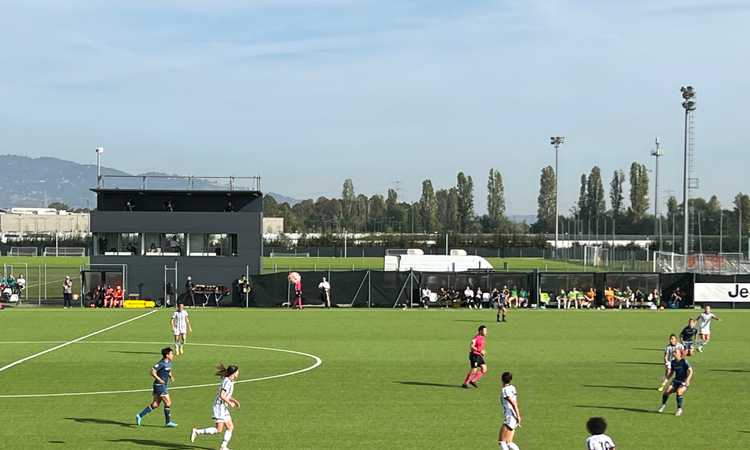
{"points": [[221, 413], [179, 331], [706, 331], [510, 422]]}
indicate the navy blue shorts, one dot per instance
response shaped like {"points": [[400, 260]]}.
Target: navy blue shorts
{"points": [[476, 360], [678, 384], [161, 390], [688, 345]]}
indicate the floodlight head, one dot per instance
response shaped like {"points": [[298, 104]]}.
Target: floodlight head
{"points": [[99, 150], [689, 105]]}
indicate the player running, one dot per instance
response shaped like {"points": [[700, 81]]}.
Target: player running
{"points": [[598, 440], [669, 355], [476, 358], [704, 326], [222, 403], [687, 336], [509, 399], [180, 327], [683, 373], [162, 375]]}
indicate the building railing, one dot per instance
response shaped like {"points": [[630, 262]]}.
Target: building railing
{"points": [[169, 182]]}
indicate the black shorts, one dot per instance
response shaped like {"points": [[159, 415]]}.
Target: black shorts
{"points": [[476, 360]]}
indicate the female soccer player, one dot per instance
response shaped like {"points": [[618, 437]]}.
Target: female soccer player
{"points": [[669, 356], [180, 327], [687, 335], [476, 358], [704, 326], [598, 440], [683, 373], [508, 397], [222, 403], [162, 375]]}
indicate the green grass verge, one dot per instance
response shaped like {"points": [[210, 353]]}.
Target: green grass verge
{"points": [[389, 379]]}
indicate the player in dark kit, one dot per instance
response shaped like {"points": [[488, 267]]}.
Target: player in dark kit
{"points": [[476, 358], [162, 375], [683, 373], [687, 336]]}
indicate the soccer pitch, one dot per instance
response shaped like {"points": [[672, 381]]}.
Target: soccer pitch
{"points": [[388, 379]]}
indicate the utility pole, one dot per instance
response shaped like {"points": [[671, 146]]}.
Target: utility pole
{"points": [[657, 153], [688, 95], [555, 141]]}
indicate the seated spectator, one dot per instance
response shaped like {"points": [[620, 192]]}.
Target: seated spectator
{"points": [[609, 297], [119, 297], [654, 299], [469, 297], [586, 299], [478, 298], [638, 298], [675, 301], [572, 299], [514, 296], [628, 296], [523, 297]]}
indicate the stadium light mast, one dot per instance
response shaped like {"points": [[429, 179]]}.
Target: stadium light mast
{"points": [[688, 96], [657, 153], [556, 141], [99, 151]]}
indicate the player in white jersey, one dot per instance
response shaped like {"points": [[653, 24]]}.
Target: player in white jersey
{"points": [[669, 351], [223, 401], [704, 326], [512, 420], [180, 327], [598, 440]]}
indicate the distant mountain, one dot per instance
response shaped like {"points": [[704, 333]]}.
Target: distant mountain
{"points": [[37, 182], [283, 198]]}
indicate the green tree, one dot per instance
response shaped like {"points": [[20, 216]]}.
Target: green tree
{"points": [[582, 197], [428, 208], [495, 198], [638, 191], [59, 205], [546, 201], [465, 187], [347, 202], [616, 191], [453, 211], [595, 200], [742, 210], [377, 213], [394, 213]]}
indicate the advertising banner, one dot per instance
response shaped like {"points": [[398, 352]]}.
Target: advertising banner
{"points": [[722, 292]]}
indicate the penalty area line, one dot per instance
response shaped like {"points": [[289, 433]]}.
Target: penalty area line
{"points": [[65, 344]]}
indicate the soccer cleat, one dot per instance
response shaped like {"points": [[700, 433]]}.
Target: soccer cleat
{"points": [[660, 388], [465, 386], [473, 384], [678, 412], [138, 419], [661, 409], [700, 349], [193, 435], [171, 425]]}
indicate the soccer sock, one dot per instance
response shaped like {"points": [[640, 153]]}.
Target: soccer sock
{"points": [[479, 375], [680, 399], [209, 430], [167, 414], [145, 411], [504, 445], [227, 437], [513, 446], [664, 399], [468, 376]]}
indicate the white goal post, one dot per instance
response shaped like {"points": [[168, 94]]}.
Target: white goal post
{"points": [[64, 251], [23, 251]]}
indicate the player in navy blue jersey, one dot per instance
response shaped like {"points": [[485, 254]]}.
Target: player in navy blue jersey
{"points": [[687, 336], [162, 375], [682, 373]]}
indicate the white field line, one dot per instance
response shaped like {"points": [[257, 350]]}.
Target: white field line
{"points": [[65, 344], [316, 364]]}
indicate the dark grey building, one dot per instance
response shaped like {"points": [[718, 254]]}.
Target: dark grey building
{"points": [[165, 235]]}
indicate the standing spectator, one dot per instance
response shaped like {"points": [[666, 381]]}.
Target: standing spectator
{"points": [[478, 298], [190, 290], [169, 291], [67, 292], [243, 286], [324, 287], [20, 283]]}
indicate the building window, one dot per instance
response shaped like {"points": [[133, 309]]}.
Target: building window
{"points": [[117, 244], [164, 244], [210, 244], [130, 244]]}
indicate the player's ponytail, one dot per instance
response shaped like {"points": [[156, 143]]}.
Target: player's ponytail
{"points": [[227, 371]]}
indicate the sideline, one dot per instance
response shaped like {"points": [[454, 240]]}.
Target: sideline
{"points": [[65, 344]]}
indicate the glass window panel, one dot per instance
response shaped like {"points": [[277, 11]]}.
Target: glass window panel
{"points": [[130, 244]]}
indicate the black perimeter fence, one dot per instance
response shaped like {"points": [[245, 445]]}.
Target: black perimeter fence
{"points": [[377, 289]]}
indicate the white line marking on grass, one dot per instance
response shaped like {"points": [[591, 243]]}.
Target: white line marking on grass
{"points": [[315, 365], [64, 344]]}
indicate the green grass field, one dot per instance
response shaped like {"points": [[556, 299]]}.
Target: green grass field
{"points": [[388, 379]]}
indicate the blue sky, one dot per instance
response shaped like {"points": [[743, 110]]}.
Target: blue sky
{"points": [[308, 93]]}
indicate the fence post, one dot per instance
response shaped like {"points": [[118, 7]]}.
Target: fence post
{"points": [[369, 290], [39, 285], [45, 282]]}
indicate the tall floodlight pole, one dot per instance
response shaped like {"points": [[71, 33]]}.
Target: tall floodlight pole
{"points": [[99, 151], [657, 153], [688, 95], [555, 141]]}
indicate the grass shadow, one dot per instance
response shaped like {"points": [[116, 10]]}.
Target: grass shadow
{"points": [[649, 349], [730, 370], [155, 443], [641, 363], [634, 388], [618, 408], [55, 442], [471, 320], [97, 421], [425, 384], [135, 353]]}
